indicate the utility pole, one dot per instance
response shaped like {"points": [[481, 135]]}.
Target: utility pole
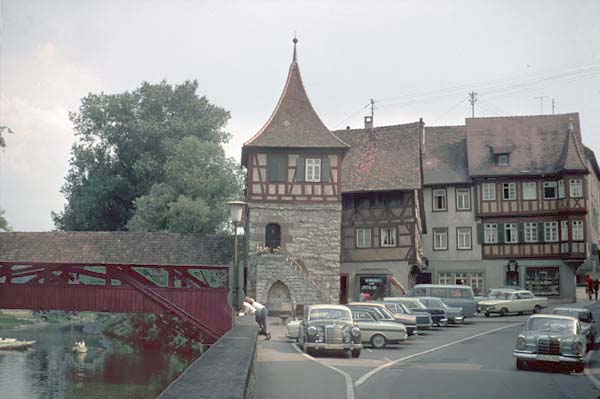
{"points": [[473, 100], [553, 106], [541, 103], [372, 108]]}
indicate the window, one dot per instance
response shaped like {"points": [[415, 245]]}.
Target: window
{"points": [[488, 191], [476, 283], [575, 188], [439, 199], [490, 231], [388, 237], [525, 295], [313, 169], [531, 234], [502, 160], [277, 169], [529, 190], [561, 189], [460, 278], [549, 189], [272, 235], [551, 231], [363, 238], [445, 278], [577, 232], [511, 235], [463, 199], [564, 230], [440, 239], [463, 237], [439, 292], [509, 191]]}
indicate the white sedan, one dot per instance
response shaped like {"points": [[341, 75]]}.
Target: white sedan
{"points": [[293, 328], [513, 302]]}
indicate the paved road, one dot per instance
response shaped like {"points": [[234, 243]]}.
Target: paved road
{"points": [[466, 361]]}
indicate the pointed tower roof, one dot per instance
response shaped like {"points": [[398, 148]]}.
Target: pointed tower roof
{"points": [[573, 154], [294, 122]]}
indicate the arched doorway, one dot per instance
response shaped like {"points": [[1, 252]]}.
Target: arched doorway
{"points": [[278, 293], [272, 235]]}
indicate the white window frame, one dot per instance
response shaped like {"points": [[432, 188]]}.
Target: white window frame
{"points": [[476, 281], [550, 184], [463, 199], [577, 232], [461, 276], [576, 188], [388, 237], [561, 188], [564, 230], [445, 278], [464, 238], [529, 190], [502, 160], [313, 170], [509, 191], [513, 229], [440, 193], [363, 238], [490, 233], [488, 191], [551, 231], [440, 239], [531, 231]]}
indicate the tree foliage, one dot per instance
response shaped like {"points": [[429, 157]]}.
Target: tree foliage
{"points": [[157, 149]]}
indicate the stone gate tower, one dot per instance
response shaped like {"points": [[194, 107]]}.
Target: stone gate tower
{"points": [[294, 194]]}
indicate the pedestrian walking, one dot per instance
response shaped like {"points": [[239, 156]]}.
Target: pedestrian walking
{"points": [[260, 315], [586, 281], [596, 287], [590, 288]]}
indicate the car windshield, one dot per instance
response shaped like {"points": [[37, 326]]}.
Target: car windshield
{"points": [[330, 314], [583, 316], [414, 305], [436, 303], [551, 324], [496, 294]]}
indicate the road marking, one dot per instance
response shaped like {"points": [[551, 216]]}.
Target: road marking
{"points": [[387, 359], [347, 378], [371, 373]]}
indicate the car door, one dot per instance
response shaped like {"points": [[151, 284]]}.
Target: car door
{"points": [[365, 322]]}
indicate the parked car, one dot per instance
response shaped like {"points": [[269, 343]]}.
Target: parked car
{"points": [[452, 295], [513, 302], [423, 319], [293, 329], [329, 328], [453, 314], [409, 321], [493, 293], [375, 331], [438, 316], [553, 339], [585, 317]]}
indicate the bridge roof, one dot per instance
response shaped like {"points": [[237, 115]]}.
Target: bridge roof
{"points": [[118, 248]]}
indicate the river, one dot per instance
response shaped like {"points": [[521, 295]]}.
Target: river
{"points": [[50, 370]]}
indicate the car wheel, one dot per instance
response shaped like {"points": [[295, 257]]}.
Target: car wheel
{"points": [[537, 309], [355, 352], [579, 368], [503, 312], [521, 365], [378, 341], [487, 314]]}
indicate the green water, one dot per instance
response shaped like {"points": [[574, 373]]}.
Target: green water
{"points": [[50, 370]]}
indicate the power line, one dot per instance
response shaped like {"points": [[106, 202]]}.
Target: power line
{"points": [[450, 110], [472, 100]]}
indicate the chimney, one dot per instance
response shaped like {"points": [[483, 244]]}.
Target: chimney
{"points": [[368, 122], [422, 134]]}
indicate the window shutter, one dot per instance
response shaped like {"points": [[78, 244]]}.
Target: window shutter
{"points": [[479, 233], [541, 237], [500, 233], [521, 229], [325, 169], [300, 169]]}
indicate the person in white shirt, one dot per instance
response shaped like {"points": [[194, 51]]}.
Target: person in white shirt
{"points": [[260, 315]]}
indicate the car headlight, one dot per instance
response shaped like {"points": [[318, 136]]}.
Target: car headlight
{"points": [[577, 347], [355, 331], [312, 330], [521, 342]]}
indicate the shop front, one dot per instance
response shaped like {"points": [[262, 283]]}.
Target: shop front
{"points": [[543, 280], [375, 285]]}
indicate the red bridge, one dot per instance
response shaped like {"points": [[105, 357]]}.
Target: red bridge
{"points": [[186, 275]]}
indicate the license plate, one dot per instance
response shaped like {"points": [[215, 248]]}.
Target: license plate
{"points": [[548, 358], [331, 347]]}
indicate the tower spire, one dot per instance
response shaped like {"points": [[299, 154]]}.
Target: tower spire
{"points": [[295, 40]]}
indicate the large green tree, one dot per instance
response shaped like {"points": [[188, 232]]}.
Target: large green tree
{"points": [[128, 154]]}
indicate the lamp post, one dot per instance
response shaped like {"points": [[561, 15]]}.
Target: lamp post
{"points": [[236, 280]]}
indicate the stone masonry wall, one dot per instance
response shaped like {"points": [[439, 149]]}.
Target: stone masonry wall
{"points": [[310, 234]]}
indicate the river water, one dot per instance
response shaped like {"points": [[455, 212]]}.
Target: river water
{"points": [[50, 370]]}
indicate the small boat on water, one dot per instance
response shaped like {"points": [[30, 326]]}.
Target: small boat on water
{"points": [[14, 344]]}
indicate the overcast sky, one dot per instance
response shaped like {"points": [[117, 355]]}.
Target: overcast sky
{"points": [[415, 58]]}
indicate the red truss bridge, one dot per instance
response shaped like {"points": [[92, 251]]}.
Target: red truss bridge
{"points": [[185, 275]]}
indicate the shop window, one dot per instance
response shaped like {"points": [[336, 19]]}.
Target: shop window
{"points": [[445, 278], [461, 279], [488, 191], [476, 282], [543, 281], [376, 286], [273, 235]]}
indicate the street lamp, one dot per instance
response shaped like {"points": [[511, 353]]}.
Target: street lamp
{"points": [[236, 280]]}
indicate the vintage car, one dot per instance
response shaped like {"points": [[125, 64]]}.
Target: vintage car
{"points": [[376, 331], [438, 316], [452, 295], [493, 293], [409, 321], [329, 328], [293, 328], [423, 319], [513, 302], [553, 339], [453, 314], [585, 317]]}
